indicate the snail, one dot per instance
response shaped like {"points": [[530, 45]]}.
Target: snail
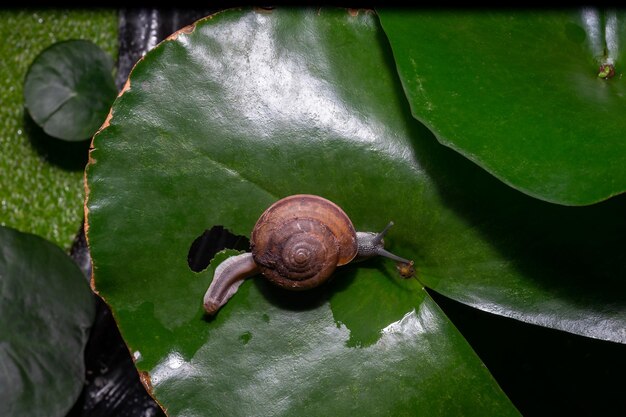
{"points": [[296, 244]]}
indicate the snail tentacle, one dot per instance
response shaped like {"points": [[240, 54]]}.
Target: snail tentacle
{"points": [[228, 276], [379, 237], [383, 252], [372, 244]]}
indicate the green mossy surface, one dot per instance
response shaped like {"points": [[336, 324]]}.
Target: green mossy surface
{"points": [[41, 179]]}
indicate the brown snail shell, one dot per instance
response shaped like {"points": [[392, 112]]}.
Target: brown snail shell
{"points": [[299, 240]]}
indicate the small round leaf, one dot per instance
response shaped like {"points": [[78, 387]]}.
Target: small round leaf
{"points": [[69, 88], [46, 311]]}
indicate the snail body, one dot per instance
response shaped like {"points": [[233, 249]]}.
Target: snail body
{"points": [[296, 244]]}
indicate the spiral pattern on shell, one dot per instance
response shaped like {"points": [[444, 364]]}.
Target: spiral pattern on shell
{"points": [[298, 241]]}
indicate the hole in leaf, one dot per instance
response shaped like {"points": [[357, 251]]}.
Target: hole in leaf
{"points": [[213, 240]]}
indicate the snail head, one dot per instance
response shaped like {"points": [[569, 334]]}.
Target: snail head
{"points": [[373, 244]]}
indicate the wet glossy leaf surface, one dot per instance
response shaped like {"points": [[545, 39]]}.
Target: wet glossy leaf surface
{"points": [[69, 88], [246, 101], [276, 353], [518, 93], [46, 310]]}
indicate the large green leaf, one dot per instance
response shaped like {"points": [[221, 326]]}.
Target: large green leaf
{"points": [[518, 93], [69, 88], [46, 310], [215, 125]]}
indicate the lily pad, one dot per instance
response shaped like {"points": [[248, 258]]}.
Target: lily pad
{"points": [[37, 194], [521, 93], [46, 311], [69, 88], [216, 124]]}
